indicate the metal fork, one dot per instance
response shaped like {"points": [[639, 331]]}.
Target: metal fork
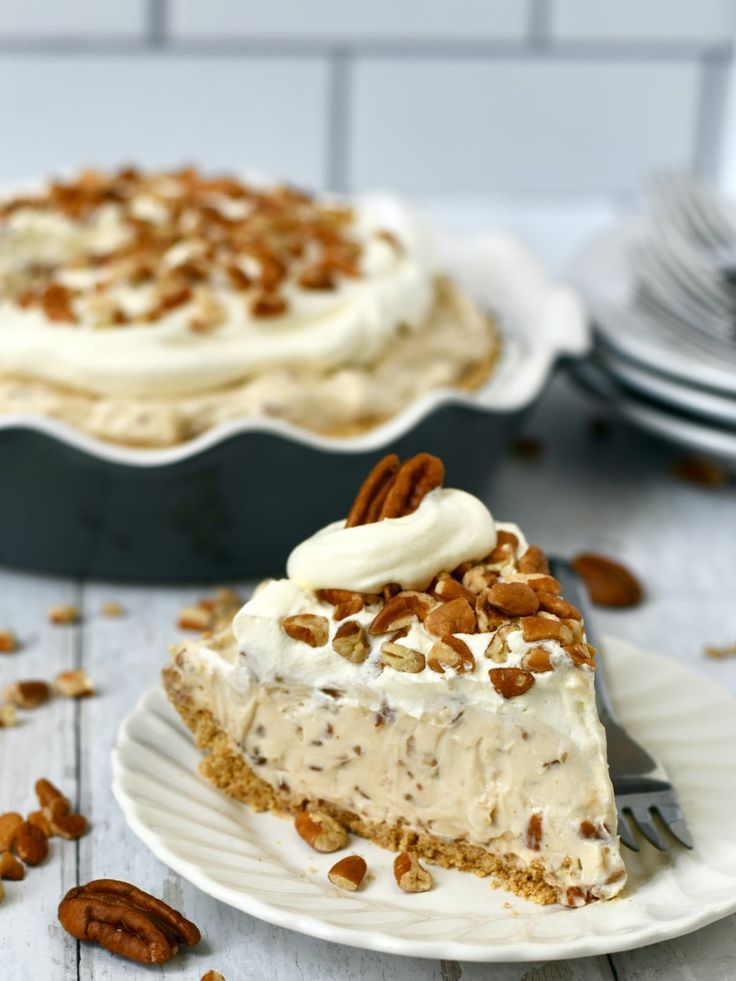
{"points": [[640, 782]]}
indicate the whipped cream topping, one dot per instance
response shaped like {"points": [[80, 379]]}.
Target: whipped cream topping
{"points": [[319, 330], [449, 527]]}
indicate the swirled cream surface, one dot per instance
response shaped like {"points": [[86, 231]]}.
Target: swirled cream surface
{"points": [[173, 285], [449, 527]]}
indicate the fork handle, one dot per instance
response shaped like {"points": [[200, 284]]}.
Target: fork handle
{"points": [[574, 591]]}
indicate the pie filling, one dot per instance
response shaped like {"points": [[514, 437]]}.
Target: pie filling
{"points": [[436, 695], [147, 308]]}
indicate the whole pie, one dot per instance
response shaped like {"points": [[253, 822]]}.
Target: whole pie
{"points": [[419, 679], [145, 308]]}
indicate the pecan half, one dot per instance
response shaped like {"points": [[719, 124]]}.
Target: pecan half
{"points": [[126, 921], [451, 652], [307, 627], [510, 682], [515, 598], [402, 658], [609, 583], [321, 831], [414, 479], [400, 611], [10, 867], [369, 500], [9, 824], [489, 616], [348, 873], [410, 875], [349, 642], [454, 617]]}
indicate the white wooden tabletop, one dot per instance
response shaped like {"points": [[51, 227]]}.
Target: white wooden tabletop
{"points": [[614, 495]]}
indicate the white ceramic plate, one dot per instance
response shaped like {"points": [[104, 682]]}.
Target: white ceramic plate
{"points": [[256, 863], [711, 406], [701, 436], [605, 274]]}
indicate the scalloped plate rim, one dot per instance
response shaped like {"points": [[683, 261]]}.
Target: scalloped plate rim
{"points": [[652, 932]]}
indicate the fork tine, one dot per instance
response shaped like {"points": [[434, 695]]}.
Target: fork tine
{"points": [[674, 820], [643, 820], [625, 831]]}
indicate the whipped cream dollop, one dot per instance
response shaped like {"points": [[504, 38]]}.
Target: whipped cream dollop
{"points": [[351, 324], [449, 527]]}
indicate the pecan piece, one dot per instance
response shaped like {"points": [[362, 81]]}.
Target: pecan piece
{"points": [[346, 602], [446, 588], [580, 654], [402, 658], [545, 628], [489, 616], [126, 921], [8, 642], [74, 684], [515, 598], [7, 716], [307, 627], [498, 648], [410, 875], [27, 694], [30, 843], [451, 652], [589, 829], [510, 682], [369, 500], [538, 660], [534, 832], [609, 583], [400, 610], [321, 831], [541, 583], [349, 642], [477, 578], [559, 606], [65, 613], [454, 617], [10, 867], [267, 304], [9, 824], [534, 560], [348, 873]]}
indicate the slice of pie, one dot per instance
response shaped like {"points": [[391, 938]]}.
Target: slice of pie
{"points": [[419, 677]]}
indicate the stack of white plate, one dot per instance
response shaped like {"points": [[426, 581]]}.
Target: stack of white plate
{"points": [[677, 383]]}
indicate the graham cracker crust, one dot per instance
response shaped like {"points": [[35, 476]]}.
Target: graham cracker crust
{"points": [[225, 768]]}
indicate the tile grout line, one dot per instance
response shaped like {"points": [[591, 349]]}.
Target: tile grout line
{"points": [[157, 14], [540, 24], [339, 96]]}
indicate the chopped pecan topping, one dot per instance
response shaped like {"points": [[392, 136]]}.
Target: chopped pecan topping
{"points": [[454, 617], [446, 588], [451, 652], [580, 654], [589, 829], [536, 628], [126, 921], [346, 602], [268, 305], [350, 642], [489, 616], [515, 598], [307, 627], [559, 606], [402, 658], [510, 682], [498, 649], [541, 583], [478, 578], [504, 537], [56, 303], [538, 660], [393, 490], [400, 611], [609, 583], [534, 560]]}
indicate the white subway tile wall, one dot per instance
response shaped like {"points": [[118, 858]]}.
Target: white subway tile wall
{"points": [[385, 19], [525, 125], [694, 21], [73, 18], [262, 114], [465, 98]]}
